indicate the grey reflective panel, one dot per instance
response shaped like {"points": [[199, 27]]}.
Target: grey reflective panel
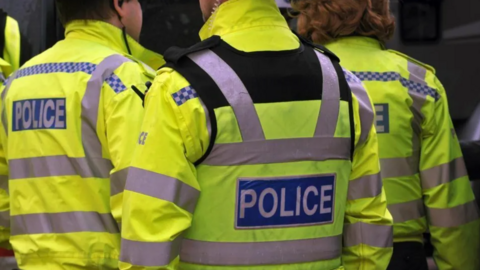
{"points": [[162, 187], [330, 108], [261, 253], [368, 234], [58, 166], [398, 167], [90, 107], [402, 212], [365, 187], [455, 216], [150, 253], [234, 91], [444, 173], [5, 219], [66, 222], [279, 151], [417, 73], [118, 181], [366, 108]]}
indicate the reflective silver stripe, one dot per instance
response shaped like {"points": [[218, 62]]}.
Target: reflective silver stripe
{"points": [[162, 187], [398, 167], [118, 181], [67, 222], [330, 109], [455, 216], [4, 95], [402, 212], [443, 174], [4, 182], [366, 109], [5, 219], [365, 187], [417, 73], [261, 253], [278, 151], [368, 234], [234, 91], [58, 166], [207, 116], [148, 253], [90, 107]]}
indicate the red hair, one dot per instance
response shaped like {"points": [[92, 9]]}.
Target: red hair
{"points": [[325, 20]]}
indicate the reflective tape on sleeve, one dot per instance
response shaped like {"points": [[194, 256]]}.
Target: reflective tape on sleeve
{"points": [[66, 222], [444, 173], [118, 181], [162, 187], [365, 187], [398, 167], [368, 234], [261, 253], [455, 216], [5, 219], [150, 254]]}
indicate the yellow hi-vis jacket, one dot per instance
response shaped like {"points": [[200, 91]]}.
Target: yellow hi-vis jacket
{"points": [[5, 70], [70, 121], [181, 216], [11, 42], [422, 165]]}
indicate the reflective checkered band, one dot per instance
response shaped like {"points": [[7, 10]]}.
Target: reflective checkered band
{"points": [[184, 95], [67, 67], [350, 77], [394, 76], [116, 84]]}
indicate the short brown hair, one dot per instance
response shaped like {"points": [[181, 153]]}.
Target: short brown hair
{"points": [[325, 20], [71, 10]]}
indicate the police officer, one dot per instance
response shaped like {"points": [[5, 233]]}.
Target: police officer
{"points": [[70, 121], [254, 155], [422, 165]]}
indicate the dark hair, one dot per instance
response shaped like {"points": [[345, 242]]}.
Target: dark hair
{"points": [[71, 10], [326, 20]]}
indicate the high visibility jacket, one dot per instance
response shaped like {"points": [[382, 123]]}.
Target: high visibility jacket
{"points": [[11, 41], [422, 166], [262, 177], [5, 70], [69, 123]]}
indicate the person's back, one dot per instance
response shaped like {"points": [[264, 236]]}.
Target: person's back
{"points": [[70, 122], [245, 158], [424, 173]]}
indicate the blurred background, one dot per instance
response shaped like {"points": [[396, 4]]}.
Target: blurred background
{"points": [[443, 33]]}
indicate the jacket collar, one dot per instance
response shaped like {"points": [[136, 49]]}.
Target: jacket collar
{"points": [[112, 37], [357, 41], [237, 15]]}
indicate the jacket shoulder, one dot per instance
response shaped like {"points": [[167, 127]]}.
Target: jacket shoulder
{"points": [[413, 60], [174, 54]]}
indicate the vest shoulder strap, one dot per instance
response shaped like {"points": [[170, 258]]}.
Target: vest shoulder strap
{"points": [[174, 54]]}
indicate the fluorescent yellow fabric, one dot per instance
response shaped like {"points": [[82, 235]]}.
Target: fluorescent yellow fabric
{"points": [[11, 51], [67, 160], [435, 193], [174, 137]]}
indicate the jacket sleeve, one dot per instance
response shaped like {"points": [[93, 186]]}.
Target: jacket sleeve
{"points": [[123, 118], [162, 189], [452, 212], [4, 195], [368, 232]]}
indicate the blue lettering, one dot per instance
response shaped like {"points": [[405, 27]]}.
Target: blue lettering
{"points": [[35, 114], [382, 122], [285, 202]]}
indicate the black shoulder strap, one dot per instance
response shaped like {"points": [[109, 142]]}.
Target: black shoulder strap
{"points": [[3, 24], [206, 88], [310, 43]]}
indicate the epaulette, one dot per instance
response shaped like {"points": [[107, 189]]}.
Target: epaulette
{"points": [[413, 60], [321, 48], [174, 54]]}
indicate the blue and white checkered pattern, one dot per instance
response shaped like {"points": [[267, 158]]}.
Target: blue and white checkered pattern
{"points": [[184, 95], [350, 77], [394, 76], [116, 84], [66, 67]]}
